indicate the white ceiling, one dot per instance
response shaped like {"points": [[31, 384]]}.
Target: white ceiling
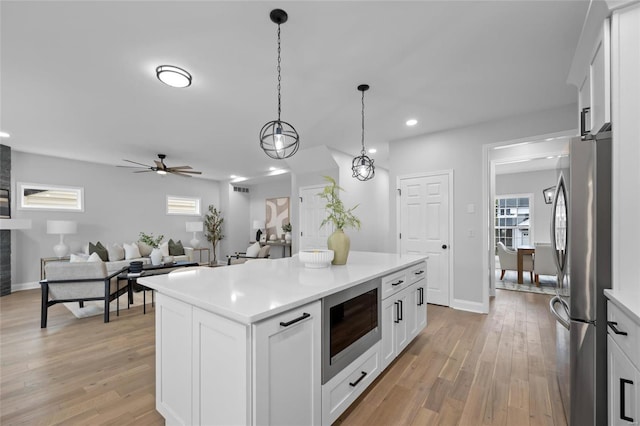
{"points": [[77, 78]]}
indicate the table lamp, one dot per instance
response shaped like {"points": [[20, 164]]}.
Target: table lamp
{"points": [[195, 227], [61, 227], [258, 224]]}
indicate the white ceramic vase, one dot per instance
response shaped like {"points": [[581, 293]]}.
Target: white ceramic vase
{"points": [[156, 256], [287, 237]]}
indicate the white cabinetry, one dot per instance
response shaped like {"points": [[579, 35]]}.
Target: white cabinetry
{"points": [[625, 198], [404, 311], [623, 353], [210, 369], [287, 368]]}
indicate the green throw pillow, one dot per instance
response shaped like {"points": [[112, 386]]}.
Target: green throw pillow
{"points": [[176, 249], [100, 249]]}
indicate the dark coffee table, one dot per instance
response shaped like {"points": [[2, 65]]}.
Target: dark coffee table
{"points": [[147, 271]]}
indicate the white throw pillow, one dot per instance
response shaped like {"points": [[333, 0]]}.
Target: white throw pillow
{"points": [[95, 257], [78, 258], [164, 248], [253, 250], [131, 251], [116, 252]]}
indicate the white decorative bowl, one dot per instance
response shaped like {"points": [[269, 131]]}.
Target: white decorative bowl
{"points": [[316, 258]]}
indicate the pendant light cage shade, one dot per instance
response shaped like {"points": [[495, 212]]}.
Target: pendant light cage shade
{"points": [[279, 139], [362, 166]]}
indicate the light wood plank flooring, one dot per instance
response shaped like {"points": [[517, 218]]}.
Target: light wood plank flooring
{"points": [[464, 369]]}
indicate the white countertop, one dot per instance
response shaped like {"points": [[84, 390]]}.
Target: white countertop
{"points": [[628, 302], [261, 288]]}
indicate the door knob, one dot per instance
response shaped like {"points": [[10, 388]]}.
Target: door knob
{"points": [[444, 246]]}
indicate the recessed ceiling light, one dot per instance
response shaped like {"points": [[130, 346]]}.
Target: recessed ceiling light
{"points": [[372, 150], [233, 176], [4, 135], [272, 169], [173, 76], [411, 122]]}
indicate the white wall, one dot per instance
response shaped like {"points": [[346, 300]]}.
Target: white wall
{"points": [[118, 206], [461, 150], [372, 199], [531, 183]]}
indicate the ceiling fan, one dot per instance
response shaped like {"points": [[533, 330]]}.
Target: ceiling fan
{"points": [[162, 168]]}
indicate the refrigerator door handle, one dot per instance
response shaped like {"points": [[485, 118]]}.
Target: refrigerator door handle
{"points": [[552, 307], [558, 257]]}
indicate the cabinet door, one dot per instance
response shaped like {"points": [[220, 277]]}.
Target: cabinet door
{"points": [[624, 398], [600, 75], [221, 369], [402, 325], [389, 316], [287, 368], [174, 349], [421, 306]]}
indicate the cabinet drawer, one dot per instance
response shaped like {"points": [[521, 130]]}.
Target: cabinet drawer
{"points": [[417, 272], [629, 343], [339, 392], [393, 283]]}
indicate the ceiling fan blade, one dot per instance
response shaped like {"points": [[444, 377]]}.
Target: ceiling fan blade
{"points": [[133, 167], [160, 164], [184, 172], [179, 167], [180, 174], [135, 162], [143, 171]]}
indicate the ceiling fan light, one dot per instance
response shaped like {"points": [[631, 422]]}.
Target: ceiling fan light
{"points": [[173, 76], [161, 172]]}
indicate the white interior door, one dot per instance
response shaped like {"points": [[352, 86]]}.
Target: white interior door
{"points": [[425, 229], [312, 213]]}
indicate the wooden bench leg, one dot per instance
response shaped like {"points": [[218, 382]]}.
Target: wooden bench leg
{"points": [[502, 276], [44, 307]]}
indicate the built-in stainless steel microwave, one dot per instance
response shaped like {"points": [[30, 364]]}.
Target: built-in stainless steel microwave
{"points": [[351, 325]]}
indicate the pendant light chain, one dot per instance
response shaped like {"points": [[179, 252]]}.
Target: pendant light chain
{"points": [[279, 69], [363, 151]]}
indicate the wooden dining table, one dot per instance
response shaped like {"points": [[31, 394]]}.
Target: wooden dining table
{"points": [[522, 252]]}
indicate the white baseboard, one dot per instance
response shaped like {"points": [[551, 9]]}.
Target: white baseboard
{"points": [[465, 305], [25, 286]]}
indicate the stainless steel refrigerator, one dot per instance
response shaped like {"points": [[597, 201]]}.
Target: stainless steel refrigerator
{"points": [[581, 239]]}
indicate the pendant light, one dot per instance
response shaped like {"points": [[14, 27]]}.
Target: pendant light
{"points": [[362, 165], [279, 139]]}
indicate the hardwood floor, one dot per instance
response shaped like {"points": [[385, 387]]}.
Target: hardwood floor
{"points": [[464, 369]]}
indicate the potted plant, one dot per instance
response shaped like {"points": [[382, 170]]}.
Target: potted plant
{"points": [[213, 228], [154, 243], [287, 232], [341, 218]]}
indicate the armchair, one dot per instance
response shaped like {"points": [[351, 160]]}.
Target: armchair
{"points": [[79, 282], [239, 258], [543, 263], [509, 260]]}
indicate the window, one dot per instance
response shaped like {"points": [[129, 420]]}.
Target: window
{"points": [[187, 206], [35, 196], [513, 220]]}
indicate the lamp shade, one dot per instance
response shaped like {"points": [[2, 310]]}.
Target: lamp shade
{"points": [[194, 226], [258, 224], [62, 227]]}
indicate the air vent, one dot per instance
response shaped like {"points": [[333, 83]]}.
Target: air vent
{"points": [[240, 189]]}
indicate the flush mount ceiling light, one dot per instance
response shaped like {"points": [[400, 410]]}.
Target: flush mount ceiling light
{"points": [[362, 166], [4, 135], [173, 76], [411, 122], [279, 139]]}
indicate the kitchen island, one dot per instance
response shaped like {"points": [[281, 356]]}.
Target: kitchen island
{"points": [[243, 344]]}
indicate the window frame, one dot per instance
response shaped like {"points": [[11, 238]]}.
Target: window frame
{"points": [[78, 190], [498, 206], [197, 200]]}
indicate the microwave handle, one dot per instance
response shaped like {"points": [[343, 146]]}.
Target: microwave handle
{"points": [[584, 114]]}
